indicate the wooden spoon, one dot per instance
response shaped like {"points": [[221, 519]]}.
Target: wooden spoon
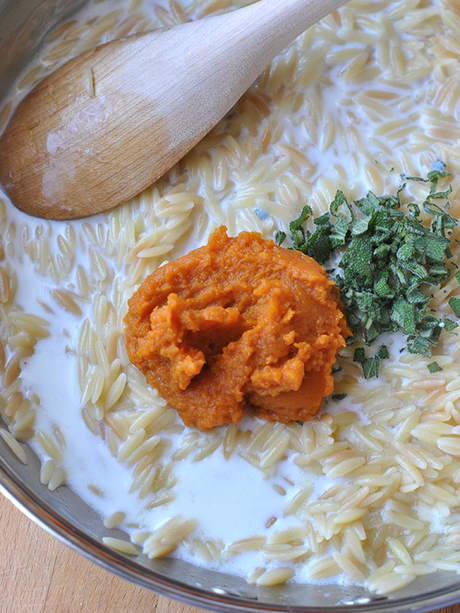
{"points": [[66, 154]]}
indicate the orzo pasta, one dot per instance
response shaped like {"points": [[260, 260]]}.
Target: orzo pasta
{"points": [[368, 492]]}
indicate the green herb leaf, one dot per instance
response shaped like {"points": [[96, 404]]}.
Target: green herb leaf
{"points": [[390, 256], [449, 325], [434, 367], [297, 223], [371, 367], [454, 304], [339, 232], [280, 237]]}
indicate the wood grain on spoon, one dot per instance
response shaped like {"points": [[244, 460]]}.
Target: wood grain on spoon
{"points": [[65, 154]]}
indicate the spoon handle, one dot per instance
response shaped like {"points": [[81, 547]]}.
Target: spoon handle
{"points": [[239, 45], [270, 25]]}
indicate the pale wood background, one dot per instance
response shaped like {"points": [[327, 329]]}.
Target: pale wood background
{"points": [[40, 575]]}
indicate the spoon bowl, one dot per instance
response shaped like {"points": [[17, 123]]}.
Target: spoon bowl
{"points": [[71, 152]]}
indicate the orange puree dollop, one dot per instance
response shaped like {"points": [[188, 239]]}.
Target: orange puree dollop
{"points": [[239, 324]]}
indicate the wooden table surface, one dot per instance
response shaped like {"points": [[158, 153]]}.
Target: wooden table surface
{"points": [[38, 574]]}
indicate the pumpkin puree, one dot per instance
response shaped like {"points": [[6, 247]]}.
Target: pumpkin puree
{"points": [[239, 324]]}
